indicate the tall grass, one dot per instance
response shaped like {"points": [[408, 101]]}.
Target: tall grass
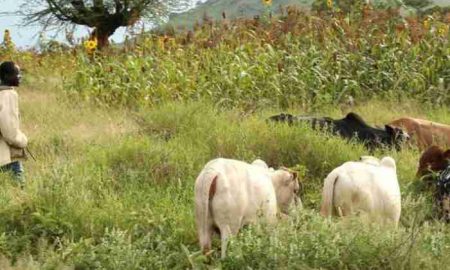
{"points": [[112, 186], [125, 200], [299, 59]]}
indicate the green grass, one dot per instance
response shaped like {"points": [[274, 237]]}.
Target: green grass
{"points": [[113, 189], [120, 138]]}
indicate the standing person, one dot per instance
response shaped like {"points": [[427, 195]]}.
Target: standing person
{"points": [[12, 139]]}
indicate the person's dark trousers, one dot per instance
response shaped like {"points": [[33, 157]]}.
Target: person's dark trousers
{"points": [[16, 169]]}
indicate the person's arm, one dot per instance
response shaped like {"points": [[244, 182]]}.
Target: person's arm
{"points": [[9, 122]]}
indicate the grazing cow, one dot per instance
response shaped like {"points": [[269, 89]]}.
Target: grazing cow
{"points": [[231, 193], [368, 186], [434, 159], [351, 126], [424, 133]]}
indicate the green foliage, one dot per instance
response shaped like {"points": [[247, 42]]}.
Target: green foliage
{"points": [[342, 5], [112, 186], [127, 201], [310, 63], [418, 4]]}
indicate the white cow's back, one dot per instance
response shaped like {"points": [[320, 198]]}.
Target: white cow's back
{"points": [[367, 187], [242, 191], [229, 194]]}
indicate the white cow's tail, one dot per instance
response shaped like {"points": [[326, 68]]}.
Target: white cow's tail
{"points": [[326, 209], [205, 188]]}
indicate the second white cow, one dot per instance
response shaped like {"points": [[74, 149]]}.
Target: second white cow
{"points": [[369, 186], [231, 193]]}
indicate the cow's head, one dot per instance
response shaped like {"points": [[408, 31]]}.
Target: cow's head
{"points": [[282, 117], [287, 188], [397, 136], [433, 159]]}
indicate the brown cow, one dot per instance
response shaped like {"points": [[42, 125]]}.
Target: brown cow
{"points": [[433, 159], [423, 132], [438, 161]]}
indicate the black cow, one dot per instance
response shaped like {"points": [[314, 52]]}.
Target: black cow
{"points": [[349, 127], [443, 194]]}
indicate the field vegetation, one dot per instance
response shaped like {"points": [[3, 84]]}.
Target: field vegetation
{"points": [[120, 135], [296, 59]]}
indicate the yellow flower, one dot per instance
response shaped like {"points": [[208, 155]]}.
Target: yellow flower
{"points": [[443, 30], [267, 2], [90, 45], [7, 41], [426, 23], [329, 3]]}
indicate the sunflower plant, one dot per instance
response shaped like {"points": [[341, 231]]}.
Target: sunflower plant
{"points": [[267, 13], [90, 45], [427, 22], [7, 44], [330, 4], [442, 30]]}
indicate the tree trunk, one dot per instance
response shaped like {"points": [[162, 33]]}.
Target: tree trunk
{"points": [[102, 40], [102, 33]]}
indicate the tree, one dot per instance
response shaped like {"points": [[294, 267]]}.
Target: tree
{"points": [[418, 4], [104, 16]]}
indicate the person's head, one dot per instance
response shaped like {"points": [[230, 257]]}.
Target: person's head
{"points": [[10, 73]]}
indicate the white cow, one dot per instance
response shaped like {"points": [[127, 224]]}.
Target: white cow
{"points": [[261, 163], [369, 186], [370, 160], [231, 193]]}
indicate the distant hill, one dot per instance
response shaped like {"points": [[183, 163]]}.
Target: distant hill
{"points": [[241, 8], [442, 2], [232, 8]]}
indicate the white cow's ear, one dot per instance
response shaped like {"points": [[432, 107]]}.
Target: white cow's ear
{"points": [[388, 162], [294, 176], [283, 177]]}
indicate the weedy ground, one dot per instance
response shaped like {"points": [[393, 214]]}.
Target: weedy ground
{"points": [[113, 189], [120, 138]]}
